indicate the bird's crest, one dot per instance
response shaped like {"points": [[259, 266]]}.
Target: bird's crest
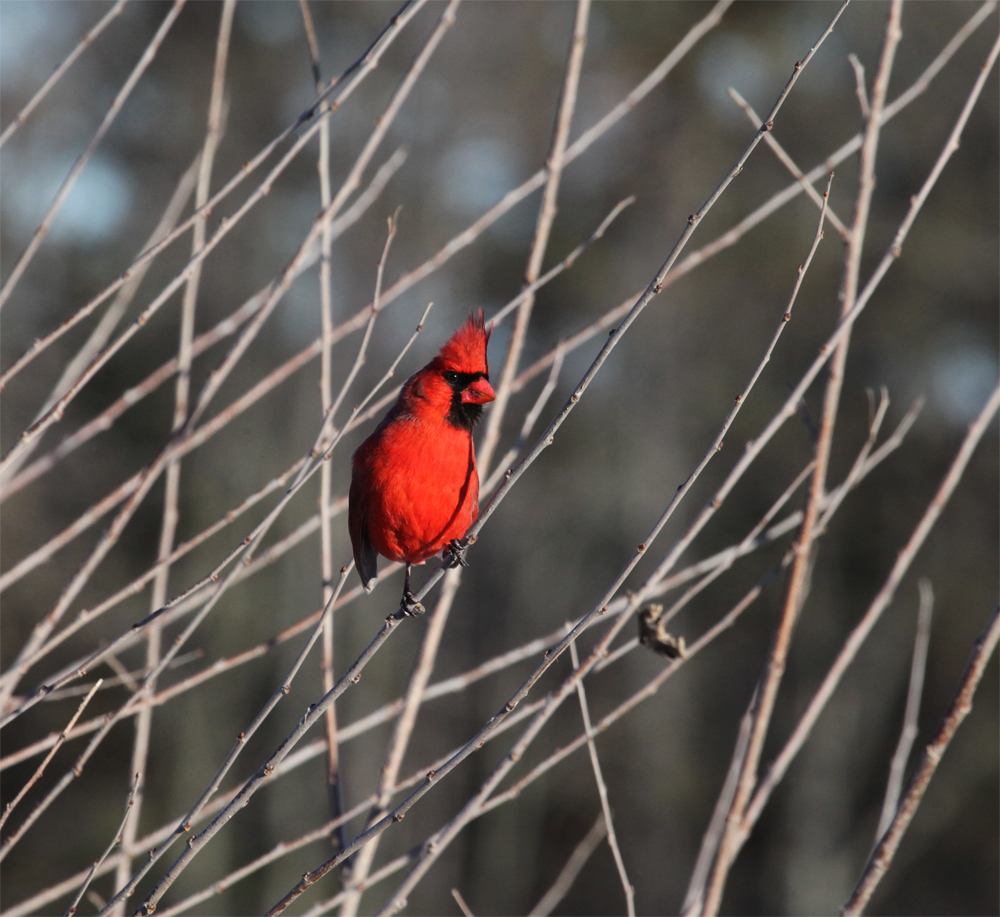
{"points": [[465, 350]]}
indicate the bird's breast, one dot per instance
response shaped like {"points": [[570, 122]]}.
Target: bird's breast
{"points": [[421, 485]]}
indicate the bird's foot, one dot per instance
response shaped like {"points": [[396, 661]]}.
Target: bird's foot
{"points": [[410, 607], [454, 551]]}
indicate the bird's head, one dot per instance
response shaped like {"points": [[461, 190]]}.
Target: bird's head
{"points": [[463, 366]]}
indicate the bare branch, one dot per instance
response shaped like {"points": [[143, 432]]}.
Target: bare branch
{"points": [[457, 895], [602, 790], [862, 91], [911, 716], [117, 839], [574, 865], [55, 747], [960, 708], [60, 71]]}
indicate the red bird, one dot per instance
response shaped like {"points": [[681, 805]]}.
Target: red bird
{"points": [[414, 484]]}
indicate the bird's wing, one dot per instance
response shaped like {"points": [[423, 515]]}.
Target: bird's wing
{"points": [[365, 555]]}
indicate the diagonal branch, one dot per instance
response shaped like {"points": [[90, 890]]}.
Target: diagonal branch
{"points": [[960, 708]]}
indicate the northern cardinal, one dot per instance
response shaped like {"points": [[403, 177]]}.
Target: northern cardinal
{"points": [[414, 484]]}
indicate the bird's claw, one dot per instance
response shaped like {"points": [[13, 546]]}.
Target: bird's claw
{"points": [[455, 551], [410, 607]]}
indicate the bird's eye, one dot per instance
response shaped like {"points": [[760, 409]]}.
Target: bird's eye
{"points": [[450, 376]]}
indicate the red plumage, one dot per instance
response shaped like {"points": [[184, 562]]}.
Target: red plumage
{"points": [[414, 484]]}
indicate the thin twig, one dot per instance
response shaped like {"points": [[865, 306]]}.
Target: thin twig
{"points": [[694, 899], [117, 839], [960, 708], [911, 716], [530, 419], [58, 73], [457, 895], [860, 88], [55, 747], [333, 775], [602, 789], [574, 866], [333, 778]]}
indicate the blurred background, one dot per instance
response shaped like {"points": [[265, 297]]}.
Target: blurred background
{"points": [[477, 124]]}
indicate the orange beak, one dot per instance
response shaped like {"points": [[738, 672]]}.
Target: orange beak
{"points": [[479, 392]]}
